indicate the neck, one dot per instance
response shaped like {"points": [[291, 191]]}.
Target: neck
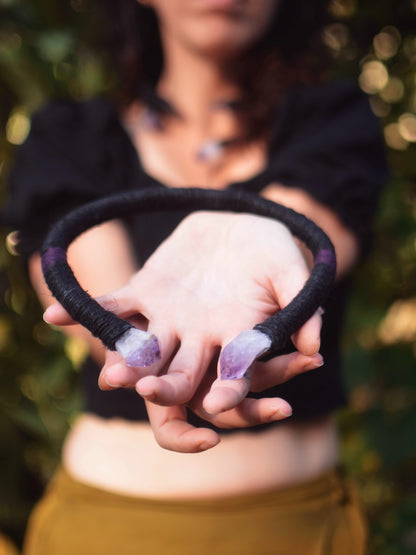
{"points": [[193, 83]]}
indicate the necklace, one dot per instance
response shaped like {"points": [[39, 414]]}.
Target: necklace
{"points": [[210, 150]]}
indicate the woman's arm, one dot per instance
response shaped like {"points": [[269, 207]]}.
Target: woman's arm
{"points": [[102, 260], [344, 240]]}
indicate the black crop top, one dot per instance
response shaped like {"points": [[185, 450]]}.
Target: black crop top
{"points": [[325, 140]]}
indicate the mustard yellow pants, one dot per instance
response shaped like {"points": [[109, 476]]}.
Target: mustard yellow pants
{"points": [[322, 516]]}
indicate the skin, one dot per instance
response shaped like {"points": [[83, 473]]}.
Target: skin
{"points": [[215, 30], [193, 80]]}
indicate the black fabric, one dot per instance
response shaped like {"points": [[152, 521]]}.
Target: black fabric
{"points": [[325, 141]]}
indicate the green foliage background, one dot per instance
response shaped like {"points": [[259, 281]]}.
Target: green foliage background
{"points": [[45, 51]]}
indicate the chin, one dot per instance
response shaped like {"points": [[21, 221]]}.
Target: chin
{"points": [[222, 41]]}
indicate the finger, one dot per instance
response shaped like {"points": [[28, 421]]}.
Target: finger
{"points": [[56, 315], [226, 394], [123, 302], [173, 432], [307, 339], [183, 377], [250, 412], [281, 369], [115, 373], [286, 286]]}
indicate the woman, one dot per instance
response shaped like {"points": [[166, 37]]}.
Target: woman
{"points": [[216, 94]]}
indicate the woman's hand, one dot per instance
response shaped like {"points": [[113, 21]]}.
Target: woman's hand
{"points": [[169, 423], [215, 276]]}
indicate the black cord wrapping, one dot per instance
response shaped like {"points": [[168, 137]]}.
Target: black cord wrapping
{"points": [[109, 328]]}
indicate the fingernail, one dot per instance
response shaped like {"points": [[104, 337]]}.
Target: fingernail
{"points": [[109, 381], [316, 362], [142, 388], [147, 396], [45, 318], [286, 411], [207, 445], [281, 411]]}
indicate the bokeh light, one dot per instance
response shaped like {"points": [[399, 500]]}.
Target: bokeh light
{"points": [[386, 43], [399, 324], [393, 91], [336, 36], [374, 77], [17, 127], [342, 9], [407, 127]]}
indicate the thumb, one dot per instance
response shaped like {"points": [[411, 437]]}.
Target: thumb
{"points": [[120, 302], [56, 314], [307, 339]]}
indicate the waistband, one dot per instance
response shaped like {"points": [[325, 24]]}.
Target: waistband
{"points": [[331, 487]]}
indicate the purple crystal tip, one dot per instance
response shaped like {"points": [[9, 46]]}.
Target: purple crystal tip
{"points": [[146, 355], [237, 357], [139, 348]]}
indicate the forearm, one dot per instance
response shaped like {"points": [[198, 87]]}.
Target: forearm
{"points": [[102, 260], [345, 242]]}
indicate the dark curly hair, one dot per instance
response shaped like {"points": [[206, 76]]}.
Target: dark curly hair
{"points": [[291, 51]]}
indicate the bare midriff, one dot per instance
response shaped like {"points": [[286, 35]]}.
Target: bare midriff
{"points": [[123, 457]]}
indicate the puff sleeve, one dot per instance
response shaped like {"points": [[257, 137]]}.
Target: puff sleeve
{"points": [[328, 142], [75, 152]]}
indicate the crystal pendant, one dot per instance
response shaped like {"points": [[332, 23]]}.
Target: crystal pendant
{"points": [[210, 151]]}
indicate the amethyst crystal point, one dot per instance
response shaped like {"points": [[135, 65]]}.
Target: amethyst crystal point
{"points": [[238, 355], [138, 348]]}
